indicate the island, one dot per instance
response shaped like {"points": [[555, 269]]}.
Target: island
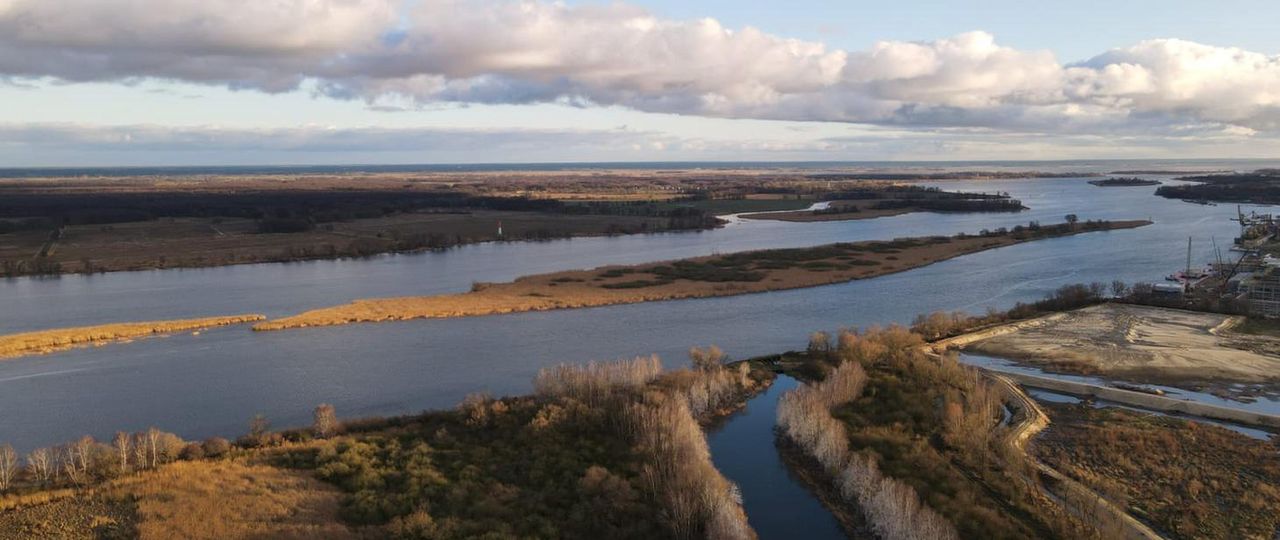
{"points": [[699, 277], [891, 200], [1258, 187], [1125, 182]]}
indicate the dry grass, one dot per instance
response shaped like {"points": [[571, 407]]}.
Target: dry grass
{"points": [[190, 500], [222, 499], [721, 275], [47, 341]]}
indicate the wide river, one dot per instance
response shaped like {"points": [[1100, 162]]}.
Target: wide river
{"points": [[212, 383]]}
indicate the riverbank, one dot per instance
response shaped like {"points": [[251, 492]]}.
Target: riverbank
{"points": [[47, 341], [700, 277]]}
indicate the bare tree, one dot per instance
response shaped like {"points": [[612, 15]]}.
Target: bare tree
{"points": [[1118, 289], [40, 464], [707, 359], [121, 445], [258, 427], [325, 423], [8, 466], [819, 343], [152, 440]]}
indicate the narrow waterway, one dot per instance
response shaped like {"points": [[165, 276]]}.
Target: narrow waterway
{"points": [[777, 506]]}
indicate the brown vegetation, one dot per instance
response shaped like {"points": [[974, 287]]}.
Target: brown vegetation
{"points": [[701, 277], [46, 341], [1189, 479], [605, 450], [916, 443], [882, 200]]}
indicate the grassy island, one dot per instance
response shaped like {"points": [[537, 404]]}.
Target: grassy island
{"points": [[47, 341], [700, 277]]}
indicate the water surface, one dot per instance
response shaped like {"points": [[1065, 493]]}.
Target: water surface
{"points": [[777, 506]]}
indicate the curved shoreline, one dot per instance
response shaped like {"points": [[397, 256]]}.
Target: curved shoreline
{"points": [[700, 277]]}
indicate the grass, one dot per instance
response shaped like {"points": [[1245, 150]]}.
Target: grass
{"points": [[700, 277], [1188, 479], [194, 500], [46, 341]]}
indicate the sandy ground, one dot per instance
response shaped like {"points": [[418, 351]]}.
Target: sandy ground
{"points": [[799, 268], [1140, 341]]}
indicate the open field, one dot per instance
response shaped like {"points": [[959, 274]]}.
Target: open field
{"points": [[1148, 343], [701, 277], [1188, 479], [47, 341], [195, 500]]}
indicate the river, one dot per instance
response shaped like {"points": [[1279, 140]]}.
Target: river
{"points": [[777, 506], [211, 384]]}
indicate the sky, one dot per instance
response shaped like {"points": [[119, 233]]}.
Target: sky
{"points": [[232, 82]]}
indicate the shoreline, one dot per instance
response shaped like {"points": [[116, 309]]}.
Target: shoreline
{"points": [[700, 277]]}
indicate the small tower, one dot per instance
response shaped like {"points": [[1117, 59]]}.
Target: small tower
{"points": [[499, 229]]}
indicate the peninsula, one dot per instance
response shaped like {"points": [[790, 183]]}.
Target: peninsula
{"points": [[700, 277]]}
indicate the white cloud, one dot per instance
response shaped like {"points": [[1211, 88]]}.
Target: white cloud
{"points": [[499, 51]]}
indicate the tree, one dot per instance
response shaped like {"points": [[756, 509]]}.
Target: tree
{"points": [[40, 464], [1071, 220], [708, 359], [325, 421], [259, 426], [1119, 289], [819, 343], [121, 445], [8, 466]]}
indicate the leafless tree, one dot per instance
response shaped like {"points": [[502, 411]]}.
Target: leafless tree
{"points": [[122, 445], [40, 464], [8, 466], [819, 343], [325, 421], [707, 359]]}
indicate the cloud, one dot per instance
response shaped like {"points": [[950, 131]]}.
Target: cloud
{"points": [[144, 144], [391, 52], [154, 138]]}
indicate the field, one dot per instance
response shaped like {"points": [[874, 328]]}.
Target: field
{"points": [[1140, 342], [195, 500], [1188, 479], [702, 277]]}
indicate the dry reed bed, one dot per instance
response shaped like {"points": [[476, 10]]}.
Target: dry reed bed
{"points": [[699, 277], [47, 341]]}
